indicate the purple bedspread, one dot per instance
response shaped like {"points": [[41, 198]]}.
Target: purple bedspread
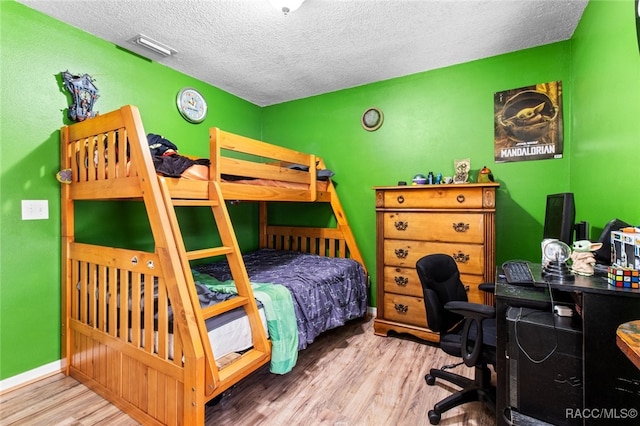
{"points": [[326, 292]]}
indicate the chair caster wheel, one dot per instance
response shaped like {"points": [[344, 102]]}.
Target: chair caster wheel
{"points": [[434, 418], [430, 380]]}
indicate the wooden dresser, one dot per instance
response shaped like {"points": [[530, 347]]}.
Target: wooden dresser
{"points": [[413, 221]]}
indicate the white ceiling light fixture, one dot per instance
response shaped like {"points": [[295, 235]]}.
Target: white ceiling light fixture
{"points": [[286, 6], [155, 46]]}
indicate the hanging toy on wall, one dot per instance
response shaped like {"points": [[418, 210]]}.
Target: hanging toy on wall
{"points": [[84, 95]]}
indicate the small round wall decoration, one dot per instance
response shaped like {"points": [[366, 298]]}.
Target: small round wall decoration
{"points": [[192, 105], [372, 119]]}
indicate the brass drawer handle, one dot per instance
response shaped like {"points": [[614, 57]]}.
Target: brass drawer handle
{"points": [[401, 253], [460, 257], [401, 225], [461, 227], [460, 198], [467, 288], [400, 308], [400, 199], [401, 281]]}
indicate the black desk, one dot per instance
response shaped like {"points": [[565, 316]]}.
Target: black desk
{"points": [[611, 383]]}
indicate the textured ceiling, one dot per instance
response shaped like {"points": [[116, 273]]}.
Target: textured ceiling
{"points": [[253, 51]]}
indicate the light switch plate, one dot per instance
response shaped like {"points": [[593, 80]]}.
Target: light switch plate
{"points": [[35, 209]]}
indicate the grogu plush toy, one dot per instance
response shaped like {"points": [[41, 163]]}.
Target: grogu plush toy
{"points": [[583, 258]]}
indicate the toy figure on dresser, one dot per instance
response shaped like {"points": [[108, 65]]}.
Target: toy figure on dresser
{"points": [[583, 259], [430, 178], [485, 175], [462, 171], [419, 179]]}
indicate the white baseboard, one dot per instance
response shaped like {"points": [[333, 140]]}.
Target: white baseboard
{"points": [[30, 376], [372, 310]]}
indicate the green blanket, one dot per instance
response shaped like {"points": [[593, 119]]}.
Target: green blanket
{"points": [[281, 319]]}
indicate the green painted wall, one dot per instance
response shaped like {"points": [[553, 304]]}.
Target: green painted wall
{"points": [[435, 117], [605, 159], [35, 49], [431, 119]]}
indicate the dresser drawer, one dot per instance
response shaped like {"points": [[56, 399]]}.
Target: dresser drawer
{"points": [[405, 253], [405, 281], [402, 281], [405, 309], [443, 227], [434, 197]]}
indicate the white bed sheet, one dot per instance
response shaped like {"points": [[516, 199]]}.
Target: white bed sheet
{"points": [[232, 336]]}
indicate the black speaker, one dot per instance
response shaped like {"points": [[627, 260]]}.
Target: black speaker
{"points": [[582, 230]]}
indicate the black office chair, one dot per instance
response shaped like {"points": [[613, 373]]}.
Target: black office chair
{"points": [[467, 330]]}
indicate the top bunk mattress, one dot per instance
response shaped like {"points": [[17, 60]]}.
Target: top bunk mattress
{"points": [[201, 172], [326, 291]]}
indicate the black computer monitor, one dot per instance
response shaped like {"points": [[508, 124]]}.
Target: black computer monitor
{"points": [[560, 217]]}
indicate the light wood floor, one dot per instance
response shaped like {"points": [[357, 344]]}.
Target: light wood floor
{"points": [[347, 377]]}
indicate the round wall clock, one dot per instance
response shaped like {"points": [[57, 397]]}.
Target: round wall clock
{"points": [[372, 119], [192, 105]]}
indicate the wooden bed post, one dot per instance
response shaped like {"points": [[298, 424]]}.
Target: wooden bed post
{"points": [[263, 214], [343, 224], [67, 236]]}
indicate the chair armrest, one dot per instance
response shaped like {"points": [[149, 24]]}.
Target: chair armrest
{"points": [[488, 287], [476, 311], [474, 314]]}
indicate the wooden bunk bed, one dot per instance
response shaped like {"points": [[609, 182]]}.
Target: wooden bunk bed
{"points": [[149, 352]]}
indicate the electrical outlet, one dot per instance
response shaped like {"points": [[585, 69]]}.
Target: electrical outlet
{"points": [[35, 209]]}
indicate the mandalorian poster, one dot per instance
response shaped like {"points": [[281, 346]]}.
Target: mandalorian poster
{"points": [[528, 123]]}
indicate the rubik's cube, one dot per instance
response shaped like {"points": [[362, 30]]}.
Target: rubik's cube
{"points": [[623, 277]]}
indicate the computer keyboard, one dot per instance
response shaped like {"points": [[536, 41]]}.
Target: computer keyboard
{"points": [[517, 272]]}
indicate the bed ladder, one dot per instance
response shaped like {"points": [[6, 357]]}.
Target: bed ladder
{"points": [[217, 380]]}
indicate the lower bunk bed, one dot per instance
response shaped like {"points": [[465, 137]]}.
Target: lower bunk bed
{"points": [[210, 324], [326, 292], [299, 297]]}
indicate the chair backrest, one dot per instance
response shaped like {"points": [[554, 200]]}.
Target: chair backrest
{"points": [[440, 280]]}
